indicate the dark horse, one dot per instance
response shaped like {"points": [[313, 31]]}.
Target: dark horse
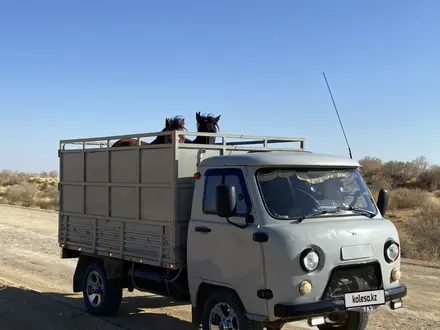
{"points": [[205, 124], [171, 124]]}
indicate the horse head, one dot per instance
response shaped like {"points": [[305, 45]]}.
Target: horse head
{"points": [[206, 124], [171, 124], [178, 124]]}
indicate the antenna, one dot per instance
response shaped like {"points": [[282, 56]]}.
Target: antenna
{"points": [[340, 122]]}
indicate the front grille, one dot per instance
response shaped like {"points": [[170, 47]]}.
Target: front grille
{"points": [[352, 278]]}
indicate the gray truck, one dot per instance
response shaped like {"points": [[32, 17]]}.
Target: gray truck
{"points": [[252, 234]]}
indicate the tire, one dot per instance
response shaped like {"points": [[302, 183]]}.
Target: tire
{"points": [[225, 299], [354, 321], [105, 301]]}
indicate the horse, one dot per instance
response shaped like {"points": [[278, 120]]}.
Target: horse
{"points": [[171, 124], [206, 124]]}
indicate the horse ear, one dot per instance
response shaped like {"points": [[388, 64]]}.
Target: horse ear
{"points": [[217, 118], [167, 122], [198, 117]]}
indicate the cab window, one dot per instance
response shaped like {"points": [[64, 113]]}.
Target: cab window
{"points": [[233, 177]]}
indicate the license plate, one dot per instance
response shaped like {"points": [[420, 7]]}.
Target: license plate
{"points": [[364, 298]]}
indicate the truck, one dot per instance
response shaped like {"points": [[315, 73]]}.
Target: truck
{"points": [[253, 231]]}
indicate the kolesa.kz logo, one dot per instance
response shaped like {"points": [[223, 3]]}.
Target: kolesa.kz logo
{"points": [[360, 299]]}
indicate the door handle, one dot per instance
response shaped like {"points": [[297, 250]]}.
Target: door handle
{"points": [[202, 229]]}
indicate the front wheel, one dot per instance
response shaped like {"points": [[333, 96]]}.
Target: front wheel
{"points": [[101, 295], [224, 311], [346, 321]]}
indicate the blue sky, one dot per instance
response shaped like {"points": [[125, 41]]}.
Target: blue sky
{"points": [[72, 69]]}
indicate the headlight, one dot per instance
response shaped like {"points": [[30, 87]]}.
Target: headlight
{"points": [[309, 260], [391, 251]]}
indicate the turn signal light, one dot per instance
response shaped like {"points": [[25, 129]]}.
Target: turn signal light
{"points": [[305, 287], [395, 274]]}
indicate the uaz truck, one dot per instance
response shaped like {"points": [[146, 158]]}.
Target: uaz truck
{"points": [[252, 234]]}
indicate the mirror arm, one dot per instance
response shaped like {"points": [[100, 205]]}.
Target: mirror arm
{"points": [[236, 224]]}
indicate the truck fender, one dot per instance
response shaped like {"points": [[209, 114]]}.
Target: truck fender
{"points": [[113, 268], [204, 291]]}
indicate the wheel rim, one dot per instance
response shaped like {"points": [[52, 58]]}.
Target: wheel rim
{"points": [[223, 317], [94, 288]]}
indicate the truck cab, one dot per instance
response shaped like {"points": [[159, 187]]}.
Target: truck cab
{"points": [[276, 237]]}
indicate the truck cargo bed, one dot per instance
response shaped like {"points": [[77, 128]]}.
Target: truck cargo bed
{"points": [[134, 203]]}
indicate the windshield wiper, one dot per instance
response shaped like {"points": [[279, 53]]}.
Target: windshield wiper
{"points": [[316, 214], [358, 210]]}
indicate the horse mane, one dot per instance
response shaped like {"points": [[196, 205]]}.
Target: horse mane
{"points": [[177, 123]]}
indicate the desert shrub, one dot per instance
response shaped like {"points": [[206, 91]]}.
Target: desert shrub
{"points": [[11, 178], [47, 203], [49, 191], [42, 187], [48, 197], [401, 198], [377, 181], [370, 164], [53, 174], [399, 173], [420, 165], [50, 174], [429, 179], [394, 174], [372, 172], [425, 230], [23, 194]]}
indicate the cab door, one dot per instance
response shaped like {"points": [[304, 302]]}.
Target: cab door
{"points": [[219, 252]]}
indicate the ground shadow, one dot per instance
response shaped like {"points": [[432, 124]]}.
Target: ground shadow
{"points": [[26, 309]]}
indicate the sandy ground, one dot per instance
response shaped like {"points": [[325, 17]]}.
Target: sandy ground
{"points": [[36, 288]]}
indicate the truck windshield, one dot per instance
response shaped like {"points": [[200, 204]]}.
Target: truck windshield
{"points": [[295, 193]]}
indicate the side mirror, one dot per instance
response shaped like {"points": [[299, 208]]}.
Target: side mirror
{"points": [[226, 200], [382, 201]]}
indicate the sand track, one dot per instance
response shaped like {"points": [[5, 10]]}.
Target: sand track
{"points": [[36, 288]]}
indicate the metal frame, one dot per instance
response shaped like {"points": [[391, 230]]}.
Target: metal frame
{"points": [[264, 140]]}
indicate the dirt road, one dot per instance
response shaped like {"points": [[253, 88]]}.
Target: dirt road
{"points": [[36, 288]]}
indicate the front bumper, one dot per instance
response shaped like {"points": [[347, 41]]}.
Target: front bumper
{"points": [[328, 306]]}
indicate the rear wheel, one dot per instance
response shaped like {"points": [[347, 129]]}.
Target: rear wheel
{"points": [[224, 311], [101, 295]]}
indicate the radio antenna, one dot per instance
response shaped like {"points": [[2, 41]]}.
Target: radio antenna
{"points": [[337, 112]]}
